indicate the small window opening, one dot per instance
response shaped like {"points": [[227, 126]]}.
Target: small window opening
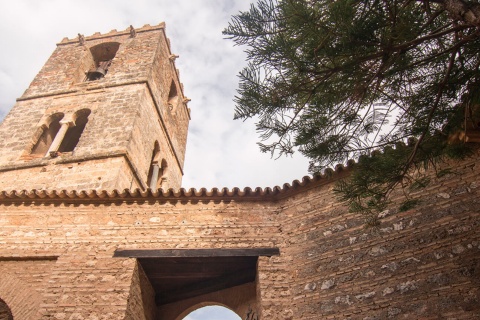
{"points": [[74, 133], [49, 131], [153, 171], [172, 96], [163, 174], [103, 55], [157, 170]]}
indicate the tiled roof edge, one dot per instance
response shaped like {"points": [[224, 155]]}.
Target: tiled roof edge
{"points": [[213, 194]]}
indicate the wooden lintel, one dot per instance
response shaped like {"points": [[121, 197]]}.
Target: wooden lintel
{"points": [[28, 258], [192, 253], [203, 287]]}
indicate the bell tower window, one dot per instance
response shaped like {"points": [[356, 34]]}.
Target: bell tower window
{"points": [[172, 96], [72, 136], [102, 55], [47, 135], [158, 169]]}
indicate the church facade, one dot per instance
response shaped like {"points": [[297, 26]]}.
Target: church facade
{"points": [[94, 223]]}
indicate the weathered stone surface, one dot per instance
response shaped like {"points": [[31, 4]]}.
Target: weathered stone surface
{"points": [[328, 284], [387, 291], [129, 113], [310, 286], [407, 286], [56, 248], [364, 296]]}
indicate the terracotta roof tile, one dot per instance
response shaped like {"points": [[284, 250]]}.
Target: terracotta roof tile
{"points": [[246, 193]]}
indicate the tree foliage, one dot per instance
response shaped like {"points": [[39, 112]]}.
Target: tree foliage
{"points": [[338, 79]]}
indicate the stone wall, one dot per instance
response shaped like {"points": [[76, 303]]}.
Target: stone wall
{"points": [[141, 300], [23, 284], [129, 112], [240, 299], [86, 281], [421, 263]]}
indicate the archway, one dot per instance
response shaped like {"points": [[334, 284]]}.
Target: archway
{"points": [[22, 302], [184, 280], [214, 312], [5, 312]]}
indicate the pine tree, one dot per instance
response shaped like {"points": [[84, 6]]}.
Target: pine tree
{"points": [[340, 79]]}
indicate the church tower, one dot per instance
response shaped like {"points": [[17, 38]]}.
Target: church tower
{"points": [[106, 112]]}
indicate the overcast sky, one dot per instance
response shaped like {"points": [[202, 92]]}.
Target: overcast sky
{"points": [[221, 152]]}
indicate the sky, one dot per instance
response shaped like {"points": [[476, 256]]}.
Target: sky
{"points": [[212, 313], [221, 152]]}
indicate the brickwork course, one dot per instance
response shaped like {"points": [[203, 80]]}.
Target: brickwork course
{"points": [[68, 217]]}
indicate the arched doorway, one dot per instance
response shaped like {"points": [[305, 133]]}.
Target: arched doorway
{"points": [[5, 312], [212, 313]]}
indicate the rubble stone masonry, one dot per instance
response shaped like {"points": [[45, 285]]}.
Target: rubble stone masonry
{"points": [[421, 263], [63, 217]]}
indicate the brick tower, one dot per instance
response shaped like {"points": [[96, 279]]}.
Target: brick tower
{"points": [[105, 112]]}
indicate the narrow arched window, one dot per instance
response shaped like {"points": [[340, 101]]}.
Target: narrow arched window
{"points": [[75, 131], [102, 55], [172, 96], [154, 169], [157, 173], [47, 134]]}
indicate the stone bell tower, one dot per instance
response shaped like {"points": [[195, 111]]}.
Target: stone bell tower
{"points": [[106, 111]]}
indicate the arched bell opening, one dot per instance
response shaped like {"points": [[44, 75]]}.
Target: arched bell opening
{"points": [[46, 134], [75, 131], [102, 55]]}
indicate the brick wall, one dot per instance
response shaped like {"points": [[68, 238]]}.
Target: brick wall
{"points": [[141, 299], [86, 281], [421, 263], [23, 283]]}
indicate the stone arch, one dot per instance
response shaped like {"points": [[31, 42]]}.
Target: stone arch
{"points": [[46, 134], [240, 299], [172, 96], [22, 300], [74, 132], [202, 305], [157, 169]]}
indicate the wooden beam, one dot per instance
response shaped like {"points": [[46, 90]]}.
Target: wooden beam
{"points": [[190, 253], [28, 258], [207, 286]]}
